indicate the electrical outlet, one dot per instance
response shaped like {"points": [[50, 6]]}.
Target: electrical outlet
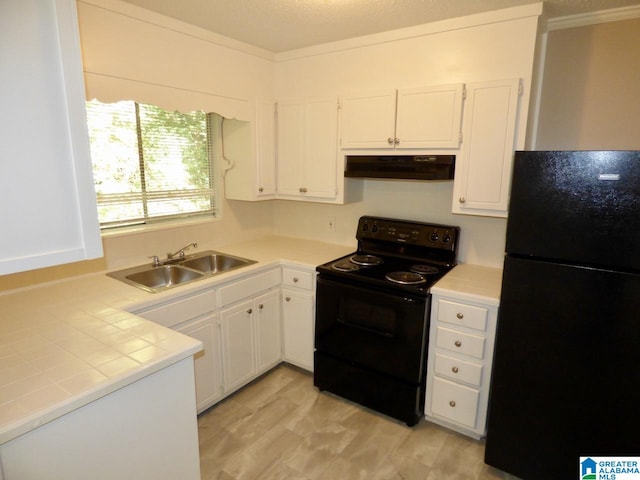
{"points": [[332, 224]]}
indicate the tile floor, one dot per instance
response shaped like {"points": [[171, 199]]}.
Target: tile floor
{"points": [[281, 427]]}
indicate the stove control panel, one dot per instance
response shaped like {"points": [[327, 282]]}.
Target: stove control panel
{"points": [[442, 237]]}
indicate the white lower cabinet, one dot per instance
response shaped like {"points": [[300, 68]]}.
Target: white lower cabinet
{"points": [[208, 370], [268, 331], [298, 314], [461, 339], [239, 325], [250, 339], [238, 349]]}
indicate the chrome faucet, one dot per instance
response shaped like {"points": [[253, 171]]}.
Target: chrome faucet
{"points": [[180, 253]]}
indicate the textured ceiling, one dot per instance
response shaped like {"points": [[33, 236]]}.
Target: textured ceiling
{"points": [[281, 25]]}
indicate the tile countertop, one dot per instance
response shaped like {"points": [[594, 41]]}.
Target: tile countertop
{"points": [[472, 283], [68, 343]]}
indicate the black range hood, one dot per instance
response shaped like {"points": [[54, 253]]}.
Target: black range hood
{"points": [[412, 167]]}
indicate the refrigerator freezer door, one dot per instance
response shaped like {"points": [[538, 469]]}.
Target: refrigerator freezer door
{"points": [[566, 369], [578, 207]]}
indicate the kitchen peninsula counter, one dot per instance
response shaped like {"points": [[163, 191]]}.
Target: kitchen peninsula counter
{"points": [[68, 343]]}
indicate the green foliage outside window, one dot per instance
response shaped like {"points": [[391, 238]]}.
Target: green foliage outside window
{"points": [[150, 164]]}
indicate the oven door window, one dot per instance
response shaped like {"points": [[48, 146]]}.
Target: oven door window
{"points": [[375, 329]]}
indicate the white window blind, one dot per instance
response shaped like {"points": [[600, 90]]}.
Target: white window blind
{"points": [[150, 164]]}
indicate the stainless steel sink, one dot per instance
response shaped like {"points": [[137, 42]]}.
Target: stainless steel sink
{"points": [[179, 271], [215, 262], [165, 276]]}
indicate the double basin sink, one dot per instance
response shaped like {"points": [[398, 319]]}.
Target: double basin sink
{"points": [[173, 273]]}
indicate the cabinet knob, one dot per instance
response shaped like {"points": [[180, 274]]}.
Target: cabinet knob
{"points": [[396, 141], [390, 140], [460, 316], [288, 299], [261, 306], [452, 403], [261, 189], [454, 369], [250, 311], [462, 200], [458, 343], [295, 279]]}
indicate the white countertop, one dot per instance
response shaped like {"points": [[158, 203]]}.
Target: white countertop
{"points": [[473, 283], [68, 343]]}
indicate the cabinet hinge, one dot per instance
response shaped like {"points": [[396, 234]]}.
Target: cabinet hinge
{"points": [[339, 104], [520, 89], [464, 92]]}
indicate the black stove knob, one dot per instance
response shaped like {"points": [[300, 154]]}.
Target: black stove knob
{"points": [[434, 237], [446, 238]]}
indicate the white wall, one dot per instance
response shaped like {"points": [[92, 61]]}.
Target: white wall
{"points": [[590, 98], [450, 52]]}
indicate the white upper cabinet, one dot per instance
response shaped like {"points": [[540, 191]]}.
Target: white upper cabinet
{"points": [[307, 150], [48, 208], [368, 120], [483, 169], [250, 151], [408, 118]]}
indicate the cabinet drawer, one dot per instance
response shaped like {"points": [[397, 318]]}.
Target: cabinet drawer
{"points": [[182, 309], [455, 402], [462, 314], [458, 370], [248, 287], [459, 342], [297, 278]]}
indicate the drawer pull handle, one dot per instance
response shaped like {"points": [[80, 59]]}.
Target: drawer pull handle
{"points": [[261, 306], [452, 403], [288, 299], [458, 343], [454, 369], [460, 316], [295, 279], [250, 311]]}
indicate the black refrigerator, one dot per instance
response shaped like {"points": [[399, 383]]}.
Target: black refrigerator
{"points": [[566, 369]]}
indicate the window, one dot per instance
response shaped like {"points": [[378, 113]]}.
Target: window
{"points": [[150, 164]]}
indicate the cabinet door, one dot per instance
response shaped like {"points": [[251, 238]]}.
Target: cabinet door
{"points": [[368, 120], [298, 328], [268, 331], [429, 117], [48, 209], [291, 146], [207, 363], [483, 173], [266, 148], [238, 345], [321, 145]]}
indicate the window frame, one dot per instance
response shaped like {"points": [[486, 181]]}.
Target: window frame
{"points": [[159, 222]]}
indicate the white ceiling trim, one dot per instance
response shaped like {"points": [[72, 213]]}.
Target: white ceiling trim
{"points": [[593, 18]]}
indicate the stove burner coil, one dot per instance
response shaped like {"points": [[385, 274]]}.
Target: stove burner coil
{"points": [[405, 278], [345, 267], [366, 260], [425, 269]]}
